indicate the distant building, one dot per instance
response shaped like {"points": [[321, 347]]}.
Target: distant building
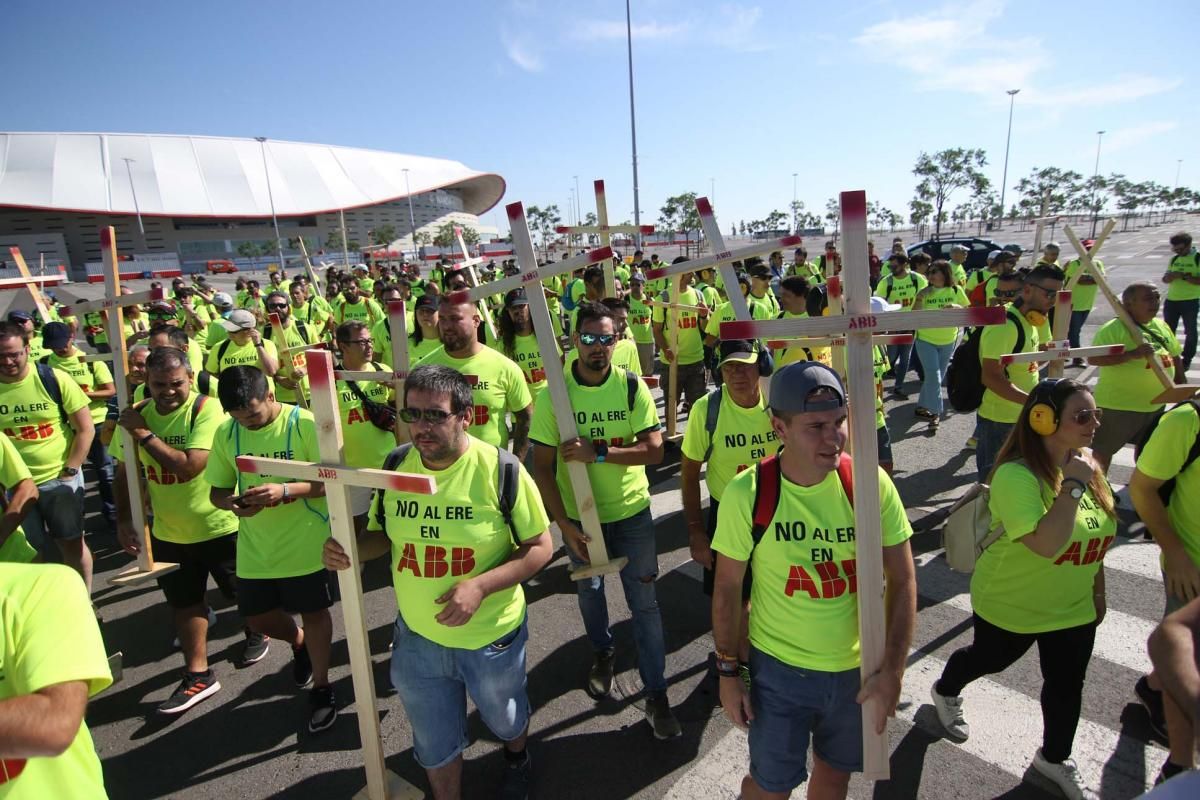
{"points": [[205, 197]]}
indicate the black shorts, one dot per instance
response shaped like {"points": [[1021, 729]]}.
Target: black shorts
{"points": [[302, 594], [185, 586], [710, 574]]}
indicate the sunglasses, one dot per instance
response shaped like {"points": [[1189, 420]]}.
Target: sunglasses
{"points": [[1049, 292], [1085, 415], [603, 339], [434, 416], [277, 306], [1008, 293]]}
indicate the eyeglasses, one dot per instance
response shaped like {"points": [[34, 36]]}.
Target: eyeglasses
{"points": [[434, 416], [1085, 415], [359, 342], [603, 339], [278, 306], [1049, 292]]}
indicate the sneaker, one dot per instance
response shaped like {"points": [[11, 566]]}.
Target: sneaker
{"points": [[971, 443], [322, 708], [517, 777], [1078, 362], [659, 715], [899, 394], [1153, 701], [194, 687], [925, 413], [1169, 770], [212, 620], [600, 676], [256, 648], [950, 714], [301, 666], [1065, 776]]}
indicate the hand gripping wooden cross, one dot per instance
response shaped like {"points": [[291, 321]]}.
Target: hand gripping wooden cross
{"points": [[857, 326], [337, 478], [606, 231], [556, 387], [1172, 392]]}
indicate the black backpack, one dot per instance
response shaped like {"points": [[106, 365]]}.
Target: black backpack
{"points": [[50, 383], [1165, 491], [964, 376]]}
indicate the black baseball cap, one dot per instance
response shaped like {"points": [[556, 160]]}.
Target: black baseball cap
{"points": [[792, 386]]}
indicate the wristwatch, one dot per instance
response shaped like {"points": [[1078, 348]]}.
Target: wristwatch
{"points": [[601, 448], [1077, 487], [70, 471]]}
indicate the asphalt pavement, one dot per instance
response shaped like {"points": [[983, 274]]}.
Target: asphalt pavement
{"points": [[249, 740]]}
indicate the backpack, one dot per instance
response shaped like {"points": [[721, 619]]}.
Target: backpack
{"points": [[964, 376], [978, 295], [1167, 487], [49, 381], [769, 478], [508, 468], [889, 280], [967, 531]]}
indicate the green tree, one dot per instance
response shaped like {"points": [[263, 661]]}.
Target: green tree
{"points": [[544, 221], [444, 237], [833, 213], [945, 172], [1048, 190], [679, 213], [775, 220], [384, 234], [422, 238], [797, 209], [921, 211]]}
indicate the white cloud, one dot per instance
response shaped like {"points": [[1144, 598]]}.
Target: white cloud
{"points": [[1121, 89], [1124, 138], [520, 53], [730, 26], [945, 27]]}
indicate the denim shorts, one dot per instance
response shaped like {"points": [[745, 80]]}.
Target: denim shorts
{"points": [[793, 705], [57, 514], [434, 680]]}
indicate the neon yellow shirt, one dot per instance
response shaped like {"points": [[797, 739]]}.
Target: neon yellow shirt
{"points": [[804, 566], [725, 313], [999, 340], [935, 300], [690, 349], [443, 539], [903, 289], [297, 343], [312, 313], [286, 540], [1188, 265], [34, 424], [1016, 589], [182, 511], [639, 320], [1132, 386], [743, 438], [602, 412], [12, 471], [130, 326], [365, 310], [959, 273], [1163, 457], [1083, 296], [50, 637], [239, 356], [88, 376], [788, 355], [528, 356], [880, 363], [363, 444], [497, 386], [766, 305]]}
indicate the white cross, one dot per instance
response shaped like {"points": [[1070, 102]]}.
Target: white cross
{"points": [[858, 327], [605, 230], [1061, 347], [556, 386], [468, 264], [27, 280], [1172, 392], [338, 478], [308, 267], [286, 356]]}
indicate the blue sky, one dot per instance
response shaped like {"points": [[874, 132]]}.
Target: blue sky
{"points": [[743, 94]]}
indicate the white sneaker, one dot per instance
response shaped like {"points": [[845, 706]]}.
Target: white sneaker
{"points": [[949, 712], [1065, 776]]}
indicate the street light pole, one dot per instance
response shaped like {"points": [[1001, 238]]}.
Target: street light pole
{"points": [[795, 221], [1095, 176], [637, 209], [412, 219], [262, 146], [1012, 96], [137, 209], [1178, 167], [578, 202]]}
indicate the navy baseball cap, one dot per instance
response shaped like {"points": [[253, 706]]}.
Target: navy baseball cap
{"points": [[792, 386]]}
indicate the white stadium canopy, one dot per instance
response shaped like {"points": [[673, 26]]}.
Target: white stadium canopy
{"points": [[212, 176]]}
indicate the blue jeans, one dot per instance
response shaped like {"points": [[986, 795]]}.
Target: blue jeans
{"points": [[935, 358], [990, 436], [634, 539], [57, 514], [898, 356], [102, 462], [1076, 327], [1186, 310]]}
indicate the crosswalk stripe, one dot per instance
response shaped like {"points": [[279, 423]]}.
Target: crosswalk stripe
{"points": [[1136, 558]]}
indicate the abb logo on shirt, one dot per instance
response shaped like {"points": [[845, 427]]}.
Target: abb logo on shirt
{"points": [[30, 433], [482, 415], [1092, 551], [10, 768], [687, 322], [436, 561], [835, 581], [162, 477]]}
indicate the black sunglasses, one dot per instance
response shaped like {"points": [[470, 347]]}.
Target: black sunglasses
{"points": [[277, 306]]}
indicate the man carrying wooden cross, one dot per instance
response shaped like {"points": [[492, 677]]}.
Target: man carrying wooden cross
{"points": [[619, 434], [458, 559], [683, 328]]}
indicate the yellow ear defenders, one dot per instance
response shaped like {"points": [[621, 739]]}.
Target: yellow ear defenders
{"points": [[1036, 318], [1043, 413]]}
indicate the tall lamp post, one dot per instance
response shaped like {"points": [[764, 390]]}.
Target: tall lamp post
{"points": [[795, 221], [138, 210], [1012, 96], [637, 209], [1095, 176], [412, 219], [262, 146]]}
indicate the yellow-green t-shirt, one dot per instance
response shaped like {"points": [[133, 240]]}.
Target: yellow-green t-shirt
{"points": [[690, 346], [236, 355], [443, 539], [725, 313], [130, 326], [805, 566], [742, 438], [793, 353], [1132, 386], [312, 314], [297, 343], [283, 541], [48, 635], [959, 273], [999, 340], [214, 334], [497, 386], [903, 289], [603, 412], [1083, 296], [935, 300], [88, 376], [364, 444], [766, 305], [1163, 457], [880, 363], [366, 310], [182, 511], [35, 425], [1016, 589], [1188, 265], [639, 320], [13, 471]]}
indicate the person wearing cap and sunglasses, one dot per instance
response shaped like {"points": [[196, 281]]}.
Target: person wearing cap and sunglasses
{"points": [[806, 686], [292, 379], [519, 344], [1041, 582], [245, 347]]}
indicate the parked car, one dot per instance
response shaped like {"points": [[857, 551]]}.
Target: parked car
{"points": [[219, 267], [976, 253]]}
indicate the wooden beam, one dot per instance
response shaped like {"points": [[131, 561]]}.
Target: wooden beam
{"points": [[1061, 351], [839, 341], [864, 323], [28, 281], [106, 303], [1062, 324]]}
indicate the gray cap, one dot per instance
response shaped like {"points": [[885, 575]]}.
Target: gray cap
{"points": [[792, 385], [240, 320], [222, 300], [961, 248]]}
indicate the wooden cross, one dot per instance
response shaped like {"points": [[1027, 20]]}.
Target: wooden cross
{"points": [[1036, 253], [468, 264], [882, 339], [1172, 392], [606, 231], [857, 326], [556, 386], [398, 330], [286, 356], [338, 478], [32, 283], [308, 267], [1063, 311]]}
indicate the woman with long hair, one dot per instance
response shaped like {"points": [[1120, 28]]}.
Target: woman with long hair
{"points": [[1042, 581], [935, 345], [425, 337]]}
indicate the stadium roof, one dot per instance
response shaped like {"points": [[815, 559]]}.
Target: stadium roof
{"points": [[213, 176]]}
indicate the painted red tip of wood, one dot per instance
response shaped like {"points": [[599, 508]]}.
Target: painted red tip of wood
{"points": [[515, 210], [562, 229], [647, 229], [395, 307], [704, 207], [598, 186], [458, 297], [106, 237], [472, 379], [739, 330], [654, 274], [414, 484], [789, 241], [599, 254], [319, 369], [854, 205], [986, 315], [246, 464], [14, 251], [457, 231], [834, 285]]}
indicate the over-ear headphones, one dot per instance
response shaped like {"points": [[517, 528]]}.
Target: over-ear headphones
{"points": [[1043, 413], [766, 361], [1036, 318]]}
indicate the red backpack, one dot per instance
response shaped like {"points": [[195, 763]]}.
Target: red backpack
{"points": [[769, 477]]}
